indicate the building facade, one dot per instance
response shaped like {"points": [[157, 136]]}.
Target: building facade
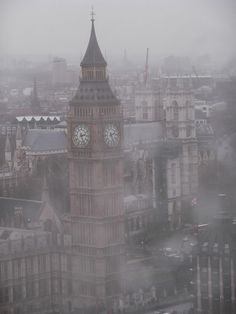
{"points": [[214, 263], [35, 272]]}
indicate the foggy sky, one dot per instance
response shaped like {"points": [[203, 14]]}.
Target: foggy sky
{"points": [[62, 27]]}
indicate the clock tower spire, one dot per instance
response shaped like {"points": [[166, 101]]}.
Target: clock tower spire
{"points": [[93, 64], [95, 151]]}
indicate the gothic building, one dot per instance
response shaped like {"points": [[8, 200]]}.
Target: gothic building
{"points": [[182, 170], [214, 263], [121, 179], [95, 150]]}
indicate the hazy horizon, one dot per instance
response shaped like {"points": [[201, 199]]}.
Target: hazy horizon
{"points": [[167, 27]]}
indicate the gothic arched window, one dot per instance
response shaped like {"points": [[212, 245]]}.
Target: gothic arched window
{"points": [[188, 131], [138, 223], [145, 109], [175, 131], [188, 110], [175, 110]]}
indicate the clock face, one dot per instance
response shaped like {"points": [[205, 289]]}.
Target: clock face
{"points": [[111, 135], [81, 135]]}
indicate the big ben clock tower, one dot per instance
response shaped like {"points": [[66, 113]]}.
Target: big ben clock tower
{"points": [[95, 145]]}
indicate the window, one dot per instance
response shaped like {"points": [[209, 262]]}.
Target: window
{"points": [[188, 131], [138, 223], [145, 110], [3, 271], [30, 289], [175, 110], [4, 295], [43, 287], [42, 263], [175, 131], [29, 265], [17, 293], [188, 110], [173, 173], [17, 268]]}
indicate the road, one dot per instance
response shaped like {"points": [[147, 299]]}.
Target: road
{"points": [[179, 308]]}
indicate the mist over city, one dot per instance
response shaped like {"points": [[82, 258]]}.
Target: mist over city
{"points": [[117, 157]]}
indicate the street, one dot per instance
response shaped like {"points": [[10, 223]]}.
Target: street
{"points": [[180, 309]]}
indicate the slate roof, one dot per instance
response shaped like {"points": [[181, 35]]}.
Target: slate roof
{"points": [[41, 141], [31, 209], [142, 133], [38, 118], [93, 55]]}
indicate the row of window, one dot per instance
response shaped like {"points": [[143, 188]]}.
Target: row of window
{"points": [[33, 289], [108, 205], [138, 223], [85, 174], [89, 289], [83, 112], [23, 267], [94, 74], [138, 204], [87, 264], [87, 233], [112, 250], [88, 112], [175, 131]]}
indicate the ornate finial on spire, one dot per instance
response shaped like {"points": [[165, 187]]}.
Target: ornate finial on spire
{"points": [[92, 15]]}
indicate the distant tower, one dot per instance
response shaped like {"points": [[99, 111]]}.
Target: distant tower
{"points": [[8, 156], [180, 128], [148, 100], [95, 145], [179, 109], [35, 102]]}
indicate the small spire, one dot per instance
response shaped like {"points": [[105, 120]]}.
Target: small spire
{"points": [[45, 190], [35, 103]]}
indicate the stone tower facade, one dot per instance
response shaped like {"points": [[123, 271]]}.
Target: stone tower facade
{"points": [[95, 145], [182, 171]]}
